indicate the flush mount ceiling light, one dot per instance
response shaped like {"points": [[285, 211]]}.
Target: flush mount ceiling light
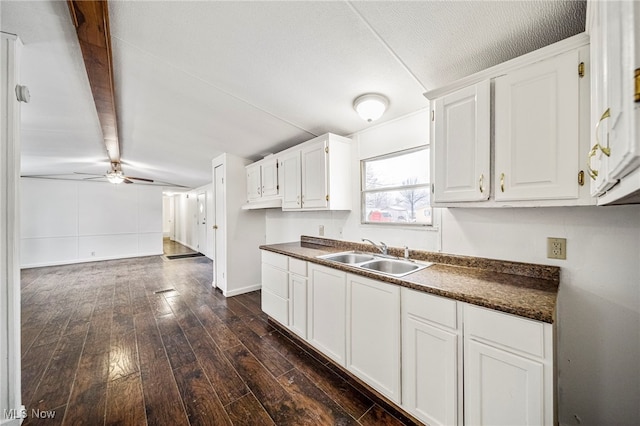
{"points": [[370, 106]]}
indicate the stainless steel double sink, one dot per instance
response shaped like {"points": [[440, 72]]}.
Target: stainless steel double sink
{"points": [[394, 267]]}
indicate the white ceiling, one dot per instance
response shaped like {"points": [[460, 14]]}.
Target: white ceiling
{"points": [[196, 79]]}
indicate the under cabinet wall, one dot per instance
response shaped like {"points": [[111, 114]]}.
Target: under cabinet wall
{"points": [[66, 222]]}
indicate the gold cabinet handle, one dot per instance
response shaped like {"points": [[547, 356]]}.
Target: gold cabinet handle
{"points": [[605, 150], [481, 183], [502, 182], [593, 174]]}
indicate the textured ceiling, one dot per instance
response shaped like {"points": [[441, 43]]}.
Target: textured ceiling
{"points": [[196, 79]]}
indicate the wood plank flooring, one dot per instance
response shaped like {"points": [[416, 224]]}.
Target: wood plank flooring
{"points": [[100, 346]]}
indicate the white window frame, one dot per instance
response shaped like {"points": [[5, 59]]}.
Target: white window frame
{"points": [[363, 192]]}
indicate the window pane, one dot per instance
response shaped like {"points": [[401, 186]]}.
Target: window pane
{"points": [[404, 206], [405, 169]]}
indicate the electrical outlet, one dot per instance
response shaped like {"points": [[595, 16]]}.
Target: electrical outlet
{"points": [[321, 230], [556, 248]]}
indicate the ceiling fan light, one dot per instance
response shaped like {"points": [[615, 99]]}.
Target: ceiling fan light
{"points": [[370, 106], [115, 177]]}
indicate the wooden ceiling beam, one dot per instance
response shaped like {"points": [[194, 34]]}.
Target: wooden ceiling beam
{"points": [[91, 19]]}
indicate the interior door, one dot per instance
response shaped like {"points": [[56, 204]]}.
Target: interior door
{"points": [[219, 254], [202, 222], [172, 218]]}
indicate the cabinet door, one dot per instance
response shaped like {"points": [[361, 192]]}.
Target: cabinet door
{"points": [[275, 298], [600, 181], [298, 305], [327, 311], [537, 131], [461, 146], [501, 388], [429, 371], [290, 169], [314, 176], [618, 56], [373, 334], [254, 187], [269, 177]]}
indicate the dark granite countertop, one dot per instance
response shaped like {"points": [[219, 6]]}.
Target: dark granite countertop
{"points": [[523, 289]]}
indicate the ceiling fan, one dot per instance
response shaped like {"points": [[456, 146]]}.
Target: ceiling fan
{"points": [[115, 175]]}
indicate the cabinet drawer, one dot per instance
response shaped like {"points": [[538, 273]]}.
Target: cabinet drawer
{"points": [[298, 267], [276, 307], [275, 280], [274, 259], [506, 330], [431, 308]]}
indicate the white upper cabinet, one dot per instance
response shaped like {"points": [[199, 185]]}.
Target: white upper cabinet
{"points": [[291, 180], [262, 181], [522, 145], [317, 174], [269, 177], [615, 115], [537, 131], [314, 181], [461, 148], [253, 182]]}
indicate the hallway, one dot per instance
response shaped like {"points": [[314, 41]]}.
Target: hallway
{"points": [[148, 341]]}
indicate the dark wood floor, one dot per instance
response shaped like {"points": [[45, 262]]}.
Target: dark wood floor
{"points": [[147, 341]]}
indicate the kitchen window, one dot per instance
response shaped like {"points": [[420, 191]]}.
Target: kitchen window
{"points": [[395, 188]]}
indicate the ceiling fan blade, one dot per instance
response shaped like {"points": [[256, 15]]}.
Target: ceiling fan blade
{"points": [[91, 174], [126, 180], [137, 178], [95, 177]]}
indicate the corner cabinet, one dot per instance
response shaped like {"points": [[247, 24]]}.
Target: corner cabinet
{"points": [[614, 159], [540, 104], [316, 174]]}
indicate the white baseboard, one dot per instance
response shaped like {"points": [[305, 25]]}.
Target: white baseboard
{"points": [[243, 290], [87, 260]]}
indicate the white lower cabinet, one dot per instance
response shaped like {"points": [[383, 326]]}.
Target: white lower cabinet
{"points": [[431, 358], [508, 369], [373, 334], [326, 311], [275, 286], [444, 362], [298, 297]]}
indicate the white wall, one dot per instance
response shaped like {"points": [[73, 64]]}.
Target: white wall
{"points": [[69, 221], [186, 220], [598, 315]]}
